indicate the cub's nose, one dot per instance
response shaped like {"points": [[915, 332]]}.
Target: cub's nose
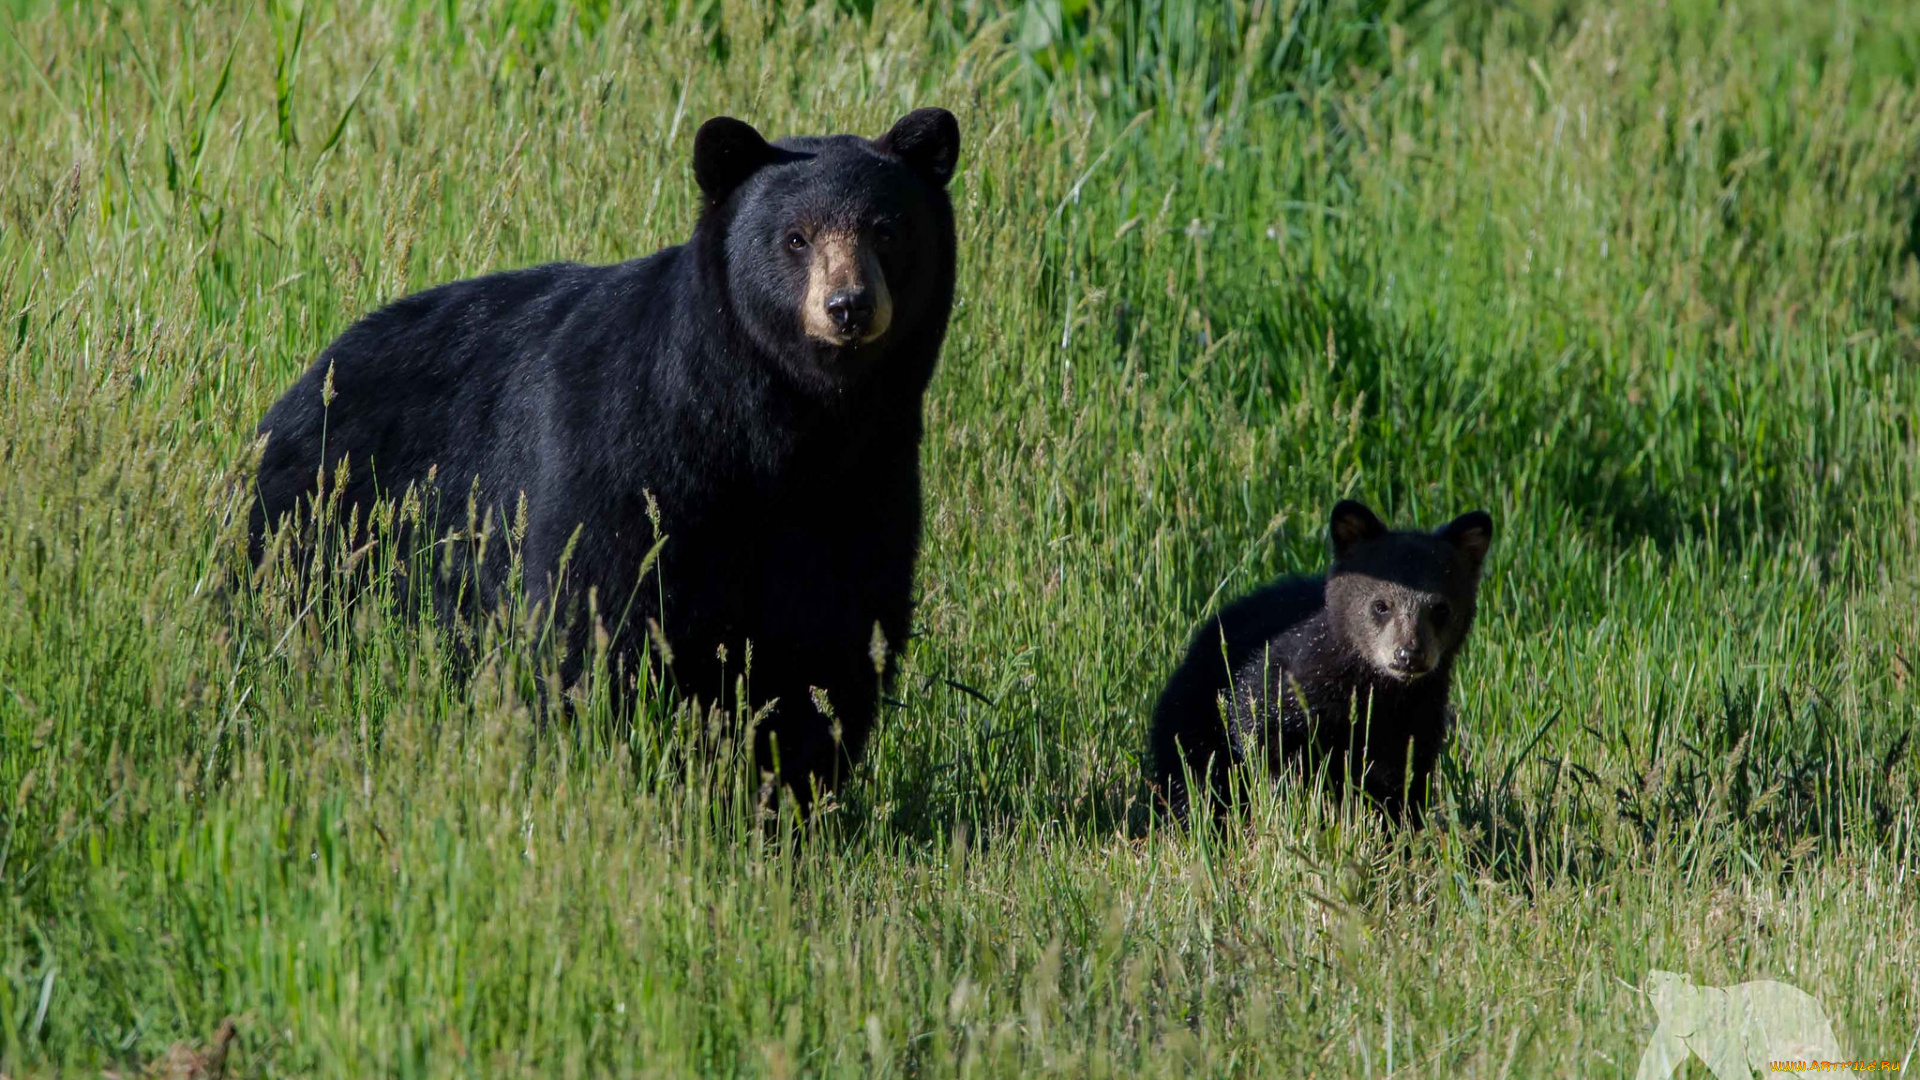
{"points": [[1407, 659], [851, 311]]}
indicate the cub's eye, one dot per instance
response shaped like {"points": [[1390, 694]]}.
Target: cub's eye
{"points": [[1441, 613], [883, 234], [796, 242], [1382, 608]]}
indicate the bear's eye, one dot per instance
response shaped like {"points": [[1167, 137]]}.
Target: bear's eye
{"points": [[883, 234], [1441, 613], [796, 242], [1381, 608]]}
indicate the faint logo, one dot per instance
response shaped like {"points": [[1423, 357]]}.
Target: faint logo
{"points": [[1765, 1028]]}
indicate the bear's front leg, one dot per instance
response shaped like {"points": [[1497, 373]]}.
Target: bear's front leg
{"points": [[817, 729]]}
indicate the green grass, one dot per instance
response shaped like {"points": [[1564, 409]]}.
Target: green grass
{"points": [[1643, 283]]}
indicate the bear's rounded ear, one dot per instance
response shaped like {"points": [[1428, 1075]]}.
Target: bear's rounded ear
{"points": [[1471, 533], [725, 152], [1351, 523], [928, 140]]}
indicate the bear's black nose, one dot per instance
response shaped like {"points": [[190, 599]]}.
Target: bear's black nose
{"points": [[1403, 658], [851, 310]]}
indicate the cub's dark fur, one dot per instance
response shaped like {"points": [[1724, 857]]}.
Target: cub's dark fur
{"points": [[761, 384], [1345, 673]]}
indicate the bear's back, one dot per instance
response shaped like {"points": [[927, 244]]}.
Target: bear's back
{"points": [[441, 382], [1187, 723]]}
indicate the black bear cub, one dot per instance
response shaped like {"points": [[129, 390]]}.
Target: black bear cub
{"points": [[756, 390], [1344, 676]]}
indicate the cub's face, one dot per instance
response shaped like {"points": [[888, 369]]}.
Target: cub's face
{"points": [[1405, 600], [835, 247]]}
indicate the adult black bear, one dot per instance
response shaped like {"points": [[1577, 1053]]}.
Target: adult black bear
{"points": [[1346, 675], [761, 384]]}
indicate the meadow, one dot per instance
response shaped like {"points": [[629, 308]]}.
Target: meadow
{"points": [[1641, 280]]}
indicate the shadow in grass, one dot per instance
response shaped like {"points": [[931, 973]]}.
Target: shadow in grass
{"points": [[1764, 783], [1532, 842], [1773, 771], [975, 784], [1592, 442]]}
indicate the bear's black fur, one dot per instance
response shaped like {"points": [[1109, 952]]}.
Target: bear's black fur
{"points": [[761, 384], [1315, 672]]}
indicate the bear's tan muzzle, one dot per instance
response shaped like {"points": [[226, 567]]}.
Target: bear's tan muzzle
{"points": [[847, 302]]}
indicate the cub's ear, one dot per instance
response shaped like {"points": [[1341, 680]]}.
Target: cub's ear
{"points": [[725, 152], [928, 140], [1471, 533], [1352, 522]]}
